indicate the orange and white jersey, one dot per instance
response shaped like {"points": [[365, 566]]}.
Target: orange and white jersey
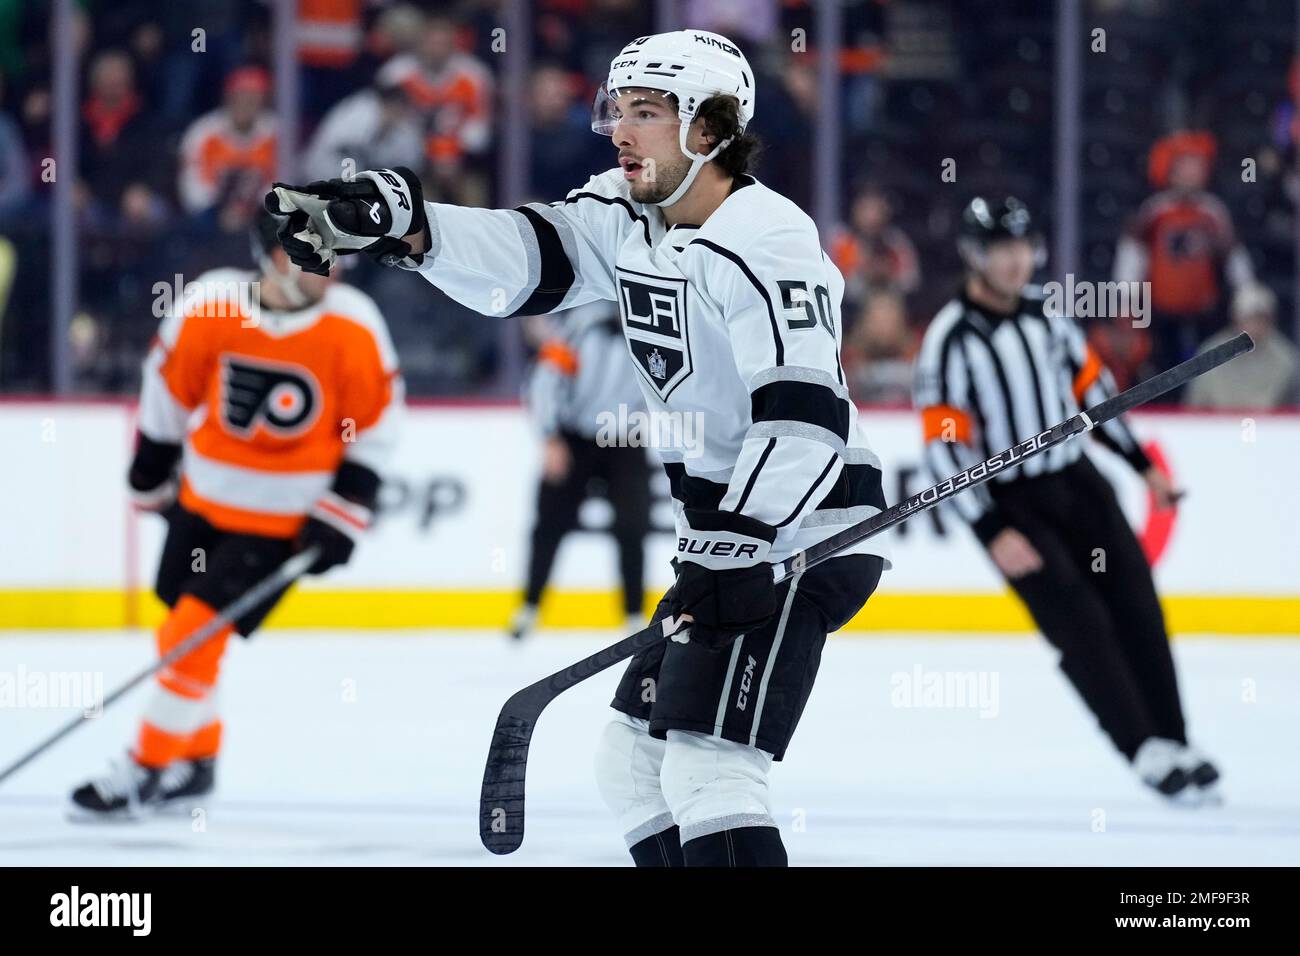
{"points": [[269, 404], [329, 32], [212, 148], [457, 99]]}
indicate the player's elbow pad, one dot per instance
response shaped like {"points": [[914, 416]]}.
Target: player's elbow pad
{"points": [[357, 484], [153, 464]]}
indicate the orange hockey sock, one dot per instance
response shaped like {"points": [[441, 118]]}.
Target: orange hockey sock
{"points": [[183, 706], [204, 743]]}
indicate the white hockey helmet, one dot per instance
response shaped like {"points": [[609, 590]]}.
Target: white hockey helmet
{"points": [[692, 65]]}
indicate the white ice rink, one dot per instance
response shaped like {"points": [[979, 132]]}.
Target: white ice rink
{"points": [[369, 750]]}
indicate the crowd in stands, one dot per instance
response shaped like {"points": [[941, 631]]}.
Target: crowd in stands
{"points": [[179, 138]]}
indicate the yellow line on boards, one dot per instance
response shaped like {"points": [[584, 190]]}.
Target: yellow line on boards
{"points": [[887, 612]]}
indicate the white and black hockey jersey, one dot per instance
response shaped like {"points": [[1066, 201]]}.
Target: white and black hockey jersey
{"points": [[582, 382], [736, 321]]}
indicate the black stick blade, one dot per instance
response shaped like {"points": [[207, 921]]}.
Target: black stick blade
{"points": [[501, 801]]}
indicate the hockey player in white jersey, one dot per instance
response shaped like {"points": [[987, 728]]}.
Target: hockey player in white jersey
{"points": [[731, 312]]}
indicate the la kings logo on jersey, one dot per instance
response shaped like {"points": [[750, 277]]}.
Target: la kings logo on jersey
{"points": [[285, 399], [654, 322]]}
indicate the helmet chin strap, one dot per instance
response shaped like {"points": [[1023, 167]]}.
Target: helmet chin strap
{"points": [[286, 284], [697, 163]]}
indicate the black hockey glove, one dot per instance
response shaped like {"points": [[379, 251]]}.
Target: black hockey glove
{"points": [[332, 217], [152, 477], [340, 516], [722, 580], [335, 545]]}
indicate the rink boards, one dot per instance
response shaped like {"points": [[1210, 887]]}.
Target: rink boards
{"points": [[450, 546]]}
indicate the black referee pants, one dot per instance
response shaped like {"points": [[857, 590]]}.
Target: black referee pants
{"points": [[1095, 601], [618, 473]]}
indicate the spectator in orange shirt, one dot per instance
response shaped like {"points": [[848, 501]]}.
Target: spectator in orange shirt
{"points": [[228, 155], [1180, 241], [330, 42], [872, 252], [454, 92]]}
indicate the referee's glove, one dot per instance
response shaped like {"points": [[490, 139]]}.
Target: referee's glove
{"points": [[723, 580], [331, 217]]}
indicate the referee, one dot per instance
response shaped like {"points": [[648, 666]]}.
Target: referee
{"points": [[582, 377], [995, 368]]}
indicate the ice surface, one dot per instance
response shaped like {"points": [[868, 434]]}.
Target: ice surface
{"points": [[368, 749]]}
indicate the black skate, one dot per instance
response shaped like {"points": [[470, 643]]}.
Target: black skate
{"points": [[130, 790]]}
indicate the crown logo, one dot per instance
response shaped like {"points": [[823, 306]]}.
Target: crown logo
{"points": [[658, 364]]}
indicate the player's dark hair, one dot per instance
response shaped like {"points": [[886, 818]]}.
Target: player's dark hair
{"points": [[721, 118]]}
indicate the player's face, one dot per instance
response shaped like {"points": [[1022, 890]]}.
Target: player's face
{"points": [[1008, 265], [870, 213], [646, 138], [1189, 173], [244, 106], [311, 286]]}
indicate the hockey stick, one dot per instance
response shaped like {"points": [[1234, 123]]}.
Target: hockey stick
{"points": [[282, 576], [501, 802]]}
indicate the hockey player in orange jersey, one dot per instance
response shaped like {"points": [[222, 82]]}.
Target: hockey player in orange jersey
{"points": [[279, 407]]}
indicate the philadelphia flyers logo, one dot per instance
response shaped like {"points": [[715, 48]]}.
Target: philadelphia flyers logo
{"points": [[283, 399]]}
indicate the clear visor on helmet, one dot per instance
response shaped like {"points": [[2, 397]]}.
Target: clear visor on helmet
{"points": [[644, 107]]}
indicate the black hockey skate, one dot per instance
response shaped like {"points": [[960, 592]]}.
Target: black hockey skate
{"points": [[130, 790]]}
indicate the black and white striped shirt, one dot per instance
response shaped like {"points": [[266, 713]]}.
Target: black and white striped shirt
{"points": [[985, 381]]}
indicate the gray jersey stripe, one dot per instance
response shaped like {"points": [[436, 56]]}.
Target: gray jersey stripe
{"points": [[651, 827], [726, 688], [787, 429], [532, 257], [833, 516], [860, 456], [771, 660], [798, 373], [732, 821]]}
